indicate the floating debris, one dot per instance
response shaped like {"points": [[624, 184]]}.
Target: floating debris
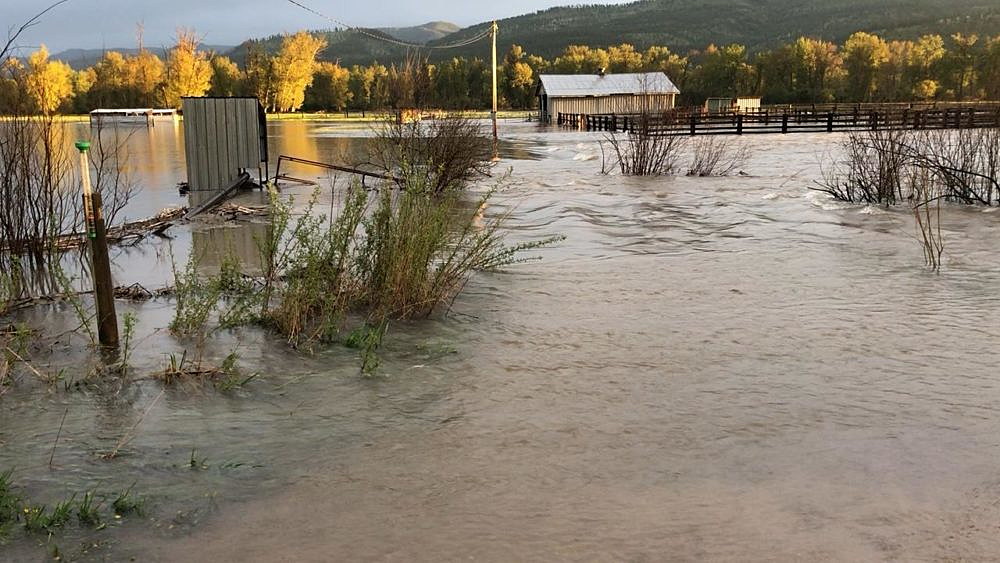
{"points": [[233, 211]]}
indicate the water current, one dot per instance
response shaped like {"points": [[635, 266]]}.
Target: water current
{"points": [[730, 368]]}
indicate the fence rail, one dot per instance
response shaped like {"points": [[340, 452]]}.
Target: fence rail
{"points": [[794, 119]]}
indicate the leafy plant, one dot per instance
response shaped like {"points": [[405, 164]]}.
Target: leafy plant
{"points": [[196, 298]]}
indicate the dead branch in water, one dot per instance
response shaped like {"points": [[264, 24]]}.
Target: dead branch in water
{"points": [[130, 435], [927, 213], [134, 292], [134, 232]]}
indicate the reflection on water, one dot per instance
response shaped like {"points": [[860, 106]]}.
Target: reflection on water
{"points": [[719, 369], [235, 244]]}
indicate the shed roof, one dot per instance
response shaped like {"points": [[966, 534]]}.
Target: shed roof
{"points": [[577, 85]]}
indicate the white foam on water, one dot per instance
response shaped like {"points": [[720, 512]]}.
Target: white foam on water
{"points": [[873, 210]]}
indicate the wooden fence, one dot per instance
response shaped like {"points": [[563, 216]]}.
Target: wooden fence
{"points": [[794, 119]]}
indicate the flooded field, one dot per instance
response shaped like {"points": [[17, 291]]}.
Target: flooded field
{"points": [[705, 368]]}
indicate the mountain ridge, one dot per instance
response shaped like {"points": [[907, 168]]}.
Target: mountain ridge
{"points": [[684, 25]]}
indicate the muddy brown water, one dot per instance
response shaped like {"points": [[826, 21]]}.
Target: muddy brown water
{"points": [[705, 369]]}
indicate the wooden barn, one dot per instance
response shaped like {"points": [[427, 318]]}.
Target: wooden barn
{"points": [[604, 93]]}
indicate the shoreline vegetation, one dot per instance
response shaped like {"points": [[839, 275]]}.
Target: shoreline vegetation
{"points": [[297, 75], [339, 117], [366, 237]]}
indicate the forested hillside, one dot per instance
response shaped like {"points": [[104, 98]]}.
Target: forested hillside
{"points": [[683, 25], [79, 59], [782, 51], [350, 47]]}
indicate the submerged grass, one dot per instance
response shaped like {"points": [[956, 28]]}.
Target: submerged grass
{"points": [[35, 518], [88, 510], [195, 371], [127, 503]]}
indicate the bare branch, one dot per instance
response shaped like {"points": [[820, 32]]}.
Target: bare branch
{"points": [[12, 35]]}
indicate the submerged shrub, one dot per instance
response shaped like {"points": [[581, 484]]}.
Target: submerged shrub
{"points": [[39, 183], [420, 248], [396, 252], [873, 168], [926, 204], [36, 186], [309, 267], [196, 298], [447, 153], [10, 286], [963, 164], [717, 156], [644, 152], [386, 255]]}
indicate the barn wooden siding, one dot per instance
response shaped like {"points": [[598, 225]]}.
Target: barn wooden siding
{"points": [[222, 138], [616, 103]]}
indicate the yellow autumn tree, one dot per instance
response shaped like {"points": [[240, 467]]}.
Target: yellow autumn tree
{"points": [[189, 73], [226, 77], [623, 58], [864, 53], [145, 73], [293, 69], [330, 88], [49, 83], [662, 59]]}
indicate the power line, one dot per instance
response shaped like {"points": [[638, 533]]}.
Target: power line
{"points": [[381, 36]]}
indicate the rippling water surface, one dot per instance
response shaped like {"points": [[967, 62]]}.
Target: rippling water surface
{"points": [[706, 368]]}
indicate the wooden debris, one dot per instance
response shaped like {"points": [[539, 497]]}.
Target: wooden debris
{"points": [[233, 211], [129, 233], [134, 292]]}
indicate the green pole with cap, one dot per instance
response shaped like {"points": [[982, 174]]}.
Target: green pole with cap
{"points": [[97, 240]]}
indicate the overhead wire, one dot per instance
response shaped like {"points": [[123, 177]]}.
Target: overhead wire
{"points": [[382, 36]]}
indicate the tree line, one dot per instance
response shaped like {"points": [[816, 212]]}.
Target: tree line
{"points": [[865, 67]]}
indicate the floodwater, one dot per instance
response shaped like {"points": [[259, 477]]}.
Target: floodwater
{"points": [[705, 369]]}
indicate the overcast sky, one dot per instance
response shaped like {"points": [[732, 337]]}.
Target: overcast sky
{"points": [[112, 23]]}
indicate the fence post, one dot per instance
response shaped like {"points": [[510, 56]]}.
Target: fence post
{"points": [[104, 289], [784, 123], [739, 124], [694, 124], [829, 122]]}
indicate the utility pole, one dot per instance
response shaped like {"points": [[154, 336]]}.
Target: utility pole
{"points": [[494, 114], [107, 319]]}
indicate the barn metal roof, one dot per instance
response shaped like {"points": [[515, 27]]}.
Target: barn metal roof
{"points": [[577, 85]]}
